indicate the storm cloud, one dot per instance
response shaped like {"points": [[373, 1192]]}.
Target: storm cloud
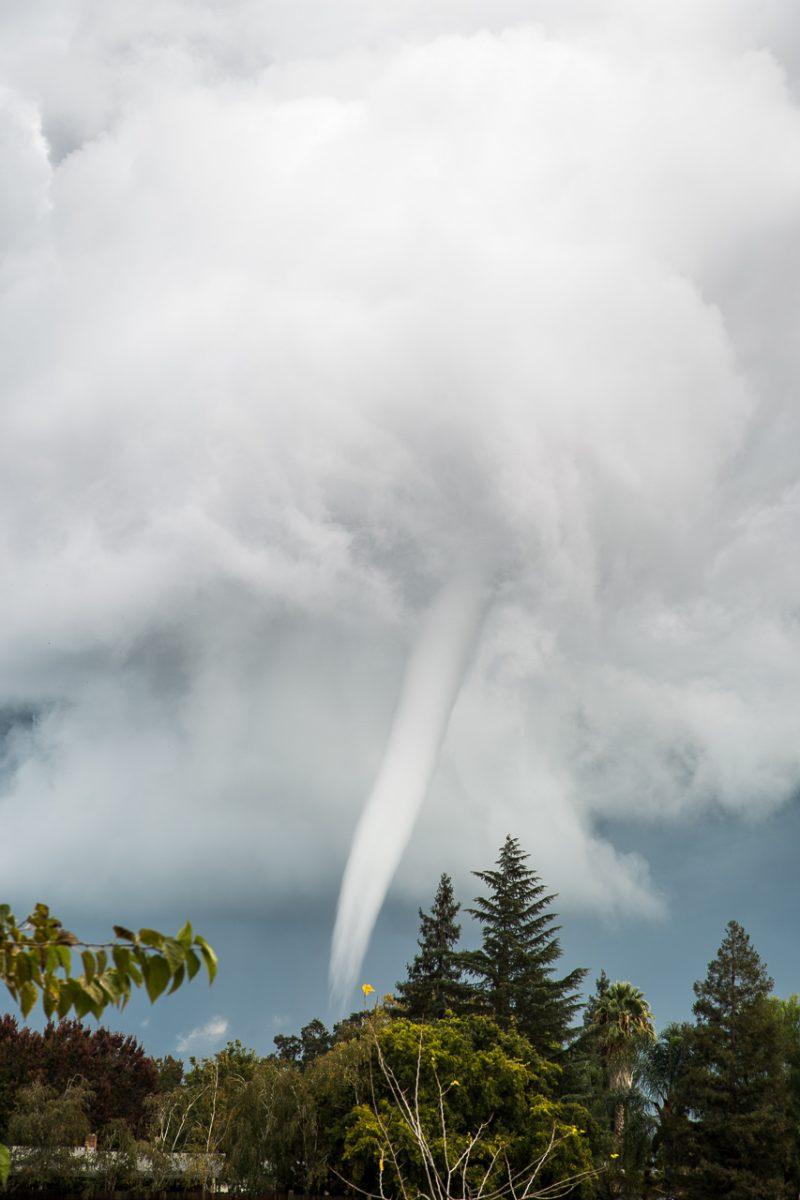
{"points": [[302, 307]]}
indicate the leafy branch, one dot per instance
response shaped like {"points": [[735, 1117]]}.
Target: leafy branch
{"points": [[36, 961]]}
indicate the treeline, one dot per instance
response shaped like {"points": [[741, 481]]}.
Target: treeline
{"points": [[484, 1076]]}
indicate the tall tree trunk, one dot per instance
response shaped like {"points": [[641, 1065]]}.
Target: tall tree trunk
{"points": [[621, 1081]]}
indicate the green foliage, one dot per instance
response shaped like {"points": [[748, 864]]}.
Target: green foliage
{"points": [[311, 1126], [192, 1114], [662, 1064], [727, 1135], [787, 1017], [469, 1082], [311, 1110], [622, 1022], [36, 961], [660, 1069], [314, 1040], [434, 985], [288, 1047], [170, 1072], [49, 1119], [514, 967], [254, 1132], [280, 1124], [392, 1098], [603, 1068], [114, 1164], [47, 1125]]}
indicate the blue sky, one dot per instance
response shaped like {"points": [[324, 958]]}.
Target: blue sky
{"points": [[399, 417]]}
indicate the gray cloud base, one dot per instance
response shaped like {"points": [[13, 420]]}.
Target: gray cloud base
{"points": [[294, 319]]}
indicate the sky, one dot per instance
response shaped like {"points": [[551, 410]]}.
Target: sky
{"points": [[308, 312]]}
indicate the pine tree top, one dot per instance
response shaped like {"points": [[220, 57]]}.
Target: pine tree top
{"points": [[433, 985], [514, 967], [727, 1126], [736, 978], [517, 899]]}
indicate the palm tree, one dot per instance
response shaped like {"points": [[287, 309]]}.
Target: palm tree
{"points": [[663, 1063], [622, 1022]]}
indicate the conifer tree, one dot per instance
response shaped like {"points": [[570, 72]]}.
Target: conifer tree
{"points": [[514, 968], [601, 986], [434, 985], [728, 1136]]}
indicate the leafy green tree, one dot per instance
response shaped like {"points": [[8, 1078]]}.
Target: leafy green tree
{"points": [[47, 1125], [170, 1072], [318, 1114], [288, 1123], [115, 1162], [619, 1026], [254, 1128], [660, 1070], [464, 1091], [309, 1128], [515, 966], [727, 1134], [195, 1116], [787, 1016], [622, 1022], [288, 1047], [603, 1070], [351, 1026], [581, 1066], [434, 985], [662, 1064], [313, 1040]]}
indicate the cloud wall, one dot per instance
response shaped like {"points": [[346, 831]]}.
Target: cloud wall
{"points": [[298, 315]]}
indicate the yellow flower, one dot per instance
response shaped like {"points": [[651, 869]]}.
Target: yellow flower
{"points": [[367, 989], [615, 1155], [455, 1083]]}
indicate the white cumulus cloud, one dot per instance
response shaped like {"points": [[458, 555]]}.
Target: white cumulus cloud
{"points": [[203, 1037]]}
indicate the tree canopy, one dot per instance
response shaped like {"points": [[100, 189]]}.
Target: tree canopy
{"points": [[434, 984], [728, 1132], [514, 968]]}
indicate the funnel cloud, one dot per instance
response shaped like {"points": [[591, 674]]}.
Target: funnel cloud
{"points": [[430, 688]]}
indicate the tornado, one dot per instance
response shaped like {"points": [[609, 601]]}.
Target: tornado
{"points": [[431, 684]]}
